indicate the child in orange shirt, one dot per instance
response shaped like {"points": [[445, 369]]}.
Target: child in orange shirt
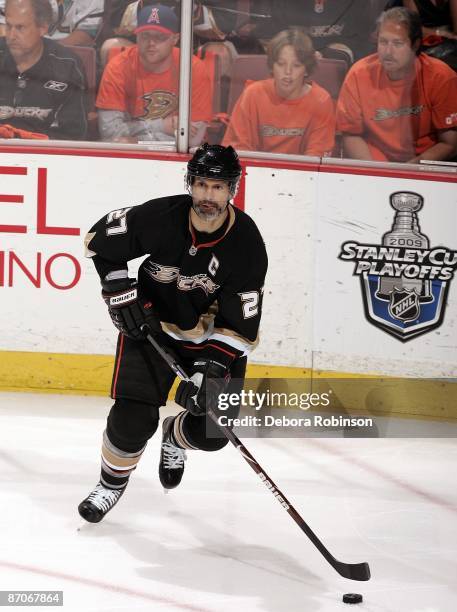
{"points": [[288, 113]]}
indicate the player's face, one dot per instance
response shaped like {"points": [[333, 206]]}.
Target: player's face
{"points": [[155, 49], [394, 49], [210, 198], [23, 35], [289, 74]]}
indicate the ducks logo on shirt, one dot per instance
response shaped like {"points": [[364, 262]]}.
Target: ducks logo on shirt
{"points": [[159, 104]]}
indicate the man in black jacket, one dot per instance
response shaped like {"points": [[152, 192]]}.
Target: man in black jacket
{"points": [[42, 84]]}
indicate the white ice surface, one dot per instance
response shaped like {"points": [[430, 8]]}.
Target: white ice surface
{"points": [[221, 542]]}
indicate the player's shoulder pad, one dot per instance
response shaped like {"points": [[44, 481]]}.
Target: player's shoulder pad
{"points": [[246, 224], [169, 205], [248, 235]]}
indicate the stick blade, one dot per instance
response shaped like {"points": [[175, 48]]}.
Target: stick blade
{"points": [[353, 571]]}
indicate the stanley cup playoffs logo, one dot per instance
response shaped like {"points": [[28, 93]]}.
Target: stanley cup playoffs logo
{"points": [[404, 281]]}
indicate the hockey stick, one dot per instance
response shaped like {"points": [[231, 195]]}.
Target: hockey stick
{"points": [[352, 571]]}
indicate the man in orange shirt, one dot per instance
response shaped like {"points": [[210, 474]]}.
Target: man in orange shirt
{"points": [[138, 96], [288, 113], [399, 105]]}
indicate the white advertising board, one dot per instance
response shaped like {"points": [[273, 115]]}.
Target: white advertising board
{"points": [[282, 204], [404, 333], [314, 310], [50, 292]]}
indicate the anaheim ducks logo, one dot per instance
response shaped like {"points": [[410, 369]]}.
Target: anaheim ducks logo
{"points": [[170, 274], [24, 112], [159, 104], [187, 283], [163, 274]]}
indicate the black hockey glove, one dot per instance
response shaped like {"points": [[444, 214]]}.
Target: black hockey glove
{"points": [[127, 309], [208, 380]]}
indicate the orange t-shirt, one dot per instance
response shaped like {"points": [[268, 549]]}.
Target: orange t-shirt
{"points": [[262, 121], [398, 119], [127, 86]]}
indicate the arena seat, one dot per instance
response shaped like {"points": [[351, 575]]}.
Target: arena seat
{"points": [[212, 63], [329, 74], [88, 56]]}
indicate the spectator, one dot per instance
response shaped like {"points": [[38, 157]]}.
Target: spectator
{"points": [[42, 85], [72, 23], [210, 23], [439, 27], [398, 104], [288, 113], [138, 95], [76, 23], [438, 18], [120, 25], [338, 28]]}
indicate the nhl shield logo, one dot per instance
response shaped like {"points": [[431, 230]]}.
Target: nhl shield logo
{"points": [[404, 281], [404, 305]]}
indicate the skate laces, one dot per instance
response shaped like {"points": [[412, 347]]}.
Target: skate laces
{"points": [[103, 498], [173, 456]]}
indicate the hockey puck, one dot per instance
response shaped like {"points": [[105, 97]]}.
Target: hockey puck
{"points": [[352, 598]]}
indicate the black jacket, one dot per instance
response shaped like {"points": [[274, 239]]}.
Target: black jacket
{"points": [[49, 97]]}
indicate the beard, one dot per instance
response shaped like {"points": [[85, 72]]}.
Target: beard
{"points": [[208, 210]]}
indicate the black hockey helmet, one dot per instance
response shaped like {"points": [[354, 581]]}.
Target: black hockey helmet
{"points": [[215, 162]]}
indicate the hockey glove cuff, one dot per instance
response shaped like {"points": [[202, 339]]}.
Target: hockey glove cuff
{"points": [[127, 309], [208, 380]]}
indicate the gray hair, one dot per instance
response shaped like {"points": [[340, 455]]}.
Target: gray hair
{"points": [[42, 11], [403, 16]]}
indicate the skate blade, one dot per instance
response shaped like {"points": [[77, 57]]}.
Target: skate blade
{"points": [[166, 491], [82, 523]]}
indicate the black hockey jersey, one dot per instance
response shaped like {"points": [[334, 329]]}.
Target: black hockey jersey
{"points": [[206, 288], [50, 97]]}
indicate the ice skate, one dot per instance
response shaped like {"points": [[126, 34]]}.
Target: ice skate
{"points": [[99, 502], [171, 467]]}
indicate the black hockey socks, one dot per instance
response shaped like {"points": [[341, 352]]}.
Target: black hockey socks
{"points": [[190, 431], [117, 465], [177, 434]]}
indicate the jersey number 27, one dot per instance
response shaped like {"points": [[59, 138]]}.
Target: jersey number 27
{"points": [[120, 217]]}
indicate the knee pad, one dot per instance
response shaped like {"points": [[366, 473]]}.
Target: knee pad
{"points": [[194, 431], [214, 444], [130, 424]]}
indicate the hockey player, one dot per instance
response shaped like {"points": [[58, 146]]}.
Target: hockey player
{"points": [[200, 292]]}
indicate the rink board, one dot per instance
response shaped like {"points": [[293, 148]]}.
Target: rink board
{"points": [[54, 322]]}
